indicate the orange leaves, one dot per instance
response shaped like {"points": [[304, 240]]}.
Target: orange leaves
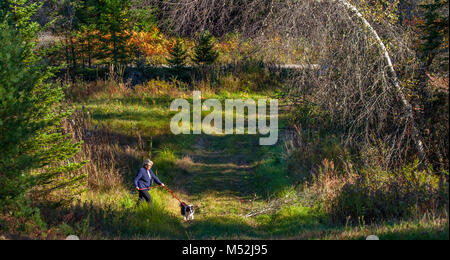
{"points": [[151, 43], [229, 45]]}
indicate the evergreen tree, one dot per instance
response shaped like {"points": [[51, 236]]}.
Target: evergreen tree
{"points": [[204, 53], [142, 16], [435, 29], [68, 23], [18, 14], [178, 55], [87, 13], [34, 153], [114, 28], [77, 21]]}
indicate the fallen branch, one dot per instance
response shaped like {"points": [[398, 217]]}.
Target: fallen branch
{"points": [[273, 206]]}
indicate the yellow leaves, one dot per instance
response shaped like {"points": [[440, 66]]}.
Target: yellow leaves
{"points": [[151, 43], [154, 46], [379, 11], [228, 46]]}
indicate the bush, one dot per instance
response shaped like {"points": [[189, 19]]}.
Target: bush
{"points": [[204, 53], [21, 219], [313, 138], [374, 195]]}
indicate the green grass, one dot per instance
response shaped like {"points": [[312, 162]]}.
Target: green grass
{"points": [[225, 177]]}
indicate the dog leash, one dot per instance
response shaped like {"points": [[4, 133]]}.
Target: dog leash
{"points": [[182, 203]]}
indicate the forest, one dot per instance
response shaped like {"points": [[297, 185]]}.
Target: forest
{"points": [[86, 96]]}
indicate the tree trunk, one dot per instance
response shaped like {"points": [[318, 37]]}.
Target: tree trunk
{"points": [[406, 105]]}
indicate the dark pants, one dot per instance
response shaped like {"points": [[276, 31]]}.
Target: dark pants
{"points": [[144, 196]]}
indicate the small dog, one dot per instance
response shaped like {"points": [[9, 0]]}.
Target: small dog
{"points": [[187, 211]]}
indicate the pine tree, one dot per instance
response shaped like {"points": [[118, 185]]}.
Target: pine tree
{"points": [[69, 25], [114, 26], [435, 28], [142, 16], [87, 14], [178, 55], [18, 13], [204, 53], [34, 153]]}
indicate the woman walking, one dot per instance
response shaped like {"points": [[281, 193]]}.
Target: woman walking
{"points": [[144, 181]]}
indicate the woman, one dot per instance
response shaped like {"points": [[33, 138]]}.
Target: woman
{"points": [[144, 181]]}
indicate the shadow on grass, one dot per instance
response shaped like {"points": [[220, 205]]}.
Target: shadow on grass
{"points": [[221, 227], [139, 222], [155, 222], [301, 226], [130, 116], [262, 227]]}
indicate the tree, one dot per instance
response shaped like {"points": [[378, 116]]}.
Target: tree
{"points": [[69, 23], [435, 28], [114, 26], [142, 16], [87, 13], [35, 153], [178, 55], [18, 14], [204, 53], [365, 61], [407, 107]]}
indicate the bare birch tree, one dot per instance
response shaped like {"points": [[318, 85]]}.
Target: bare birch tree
{"points": [[361, 82]]}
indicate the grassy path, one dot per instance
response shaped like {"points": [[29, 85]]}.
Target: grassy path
{"points": [[217, 174], [217, 170], [222, 171], [218, 182]]}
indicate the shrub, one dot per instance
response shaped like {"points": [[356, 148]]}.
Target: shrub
{"points": [[178, 56], [314, 137], [112, 159], [374, 195], [204, 53]]}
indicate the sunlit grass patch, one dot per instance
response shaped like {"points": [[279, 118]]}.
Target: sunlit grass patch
{"points": [[222, 227], [124, 117], [290, 221], [424, 229], [120, 216]]}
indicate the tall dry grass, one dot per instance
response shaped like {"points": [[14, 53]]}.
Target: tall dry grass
{"points": [[373, 195], [111, 157]]}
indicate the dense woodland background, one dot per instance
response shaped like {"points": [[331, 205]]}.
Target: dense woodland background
{"points": [[85, 89]]}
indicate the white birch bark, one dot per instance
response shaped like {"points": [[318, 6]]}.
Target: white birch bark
{"points": [[399, 90]]}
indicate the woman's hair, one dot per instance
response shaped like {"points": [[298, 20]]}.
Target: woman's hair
{"points": [[147, 162]]}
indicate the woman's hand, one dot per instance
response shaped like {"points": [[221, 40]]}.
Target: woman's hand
{"points": [[162, 184], [137, 188]]}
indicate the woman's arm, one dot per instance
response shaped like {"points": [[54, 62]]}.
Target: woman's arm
{"points": [[136, 179], [155, 178]]}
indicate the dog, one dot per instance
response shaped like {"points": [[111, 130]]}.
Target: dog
{"points": [[187, 211]]}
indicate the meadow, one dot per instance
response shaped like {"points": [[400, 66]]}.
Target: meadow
{"points": [[86, 89], [240, 190]]}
